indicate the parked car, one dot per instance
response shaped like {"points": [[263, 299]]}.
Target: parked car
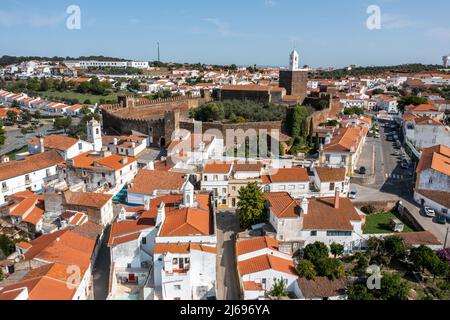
{"points": [[362, 170], [441, 219], [404, 165], [430, 213], [352, 195]]}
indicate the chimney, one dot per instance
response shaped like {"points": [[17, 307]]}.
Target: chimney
{"points": [[147, 204], [337, 198], [115, 141], [41, 144], [161, 215], [305, 205], [124, 160]]}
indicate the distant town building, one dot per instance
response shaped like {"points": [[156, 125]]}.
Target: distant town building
{"points": [[85, 64]]}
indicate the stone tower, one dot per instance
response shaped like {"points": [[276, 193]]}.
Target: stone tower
{"points": [[94, 134], [294, 80]]}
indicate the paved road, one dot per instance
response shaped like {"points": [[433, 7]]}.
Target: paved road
{"points": [[16, 140], [101, 269], [227, 279], [395, 184]]}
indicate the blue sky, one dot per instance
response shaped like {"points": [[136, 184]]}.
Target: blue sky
{"points": [[325, 32]]}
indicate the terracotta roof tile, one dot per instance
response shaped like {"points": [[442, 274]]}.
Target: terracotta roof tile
{"points": [[330, 174], [266, 262], [289, 175], [148, 182], [85, 199], [30, 164], [255, 244], [283, 205]]}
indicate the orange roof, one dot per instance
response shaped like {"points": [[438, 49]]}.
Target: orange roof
{"points": [[255, 244], [428, 121], [48, 282], [283, 205], [266, 262], [125, 231], [181, 221], [4, 111], [322, 215], [30, 164], [436, 158], [330, 174], [252, 286], [92, 160], [149, 181], [85, 199], [423, 108], [65, 246], [218, 168], [289, 175], [346, 139], [182, 248]]}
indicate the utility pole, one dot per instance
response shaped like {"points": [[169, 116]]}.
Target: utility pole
{"points": [[446, 237]]}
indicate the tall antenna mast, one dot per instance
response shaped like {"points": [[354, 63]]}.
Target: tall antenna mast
{"points": [[159, 57]]}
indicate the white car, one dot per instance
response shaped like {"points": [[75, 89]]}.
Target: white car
{"points": [[352, 195], [430, 213]]}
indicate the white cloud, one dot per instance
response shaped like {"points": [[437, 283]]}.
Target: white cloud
{"points": [[270, 3]]}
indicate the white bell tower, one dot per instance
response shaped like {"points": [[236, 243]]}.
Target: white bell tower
{"points": [[94, 134], [188, 194], [294, 60]]}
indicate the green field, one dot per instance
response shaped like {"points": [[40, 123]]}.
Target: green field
{"points": [[378, 223], [80, 96]]}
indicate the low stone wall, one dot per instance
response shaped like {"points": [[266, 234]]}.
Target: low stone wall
{"points": [[378, 205]]}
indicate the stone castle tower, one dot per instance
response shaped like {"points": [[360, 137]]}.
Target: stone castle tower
{"points": [[294, 80]]}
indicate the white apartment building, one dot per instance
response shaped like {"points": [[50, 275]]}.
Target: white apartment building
{"points": [[260, 265], [215, 179], [294, 181], [328, 180], [28, 174], [67, 147], [425, 132], [327, 220], [433, 179]]}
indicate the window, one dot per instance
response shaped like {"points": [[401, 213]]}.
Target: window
{"points": [[313, 233], [431, 180], [205, 178], [175, 261], [80, 146], [177, 287], [216, 177], [291, 187], [27, 178], [339, 233], [129, 266], [344, 159], [4, 186], [282, 188], [144, 240], [327, 158], [332, 186], [224, 190], [233, 188], [47, 172]]}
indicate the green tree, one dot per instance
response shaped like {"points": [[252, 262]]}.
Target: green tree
{"points": [[305, 269], [336, 249], [44, 86], [37, 115], [395, 247], [11, 116], [26, 116], [279, 289], [422, 257], [410, 100], [331, 268], [359, 292], [393, 287], [251, 205], [315, 252], [62, 123], [362, 263]]}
